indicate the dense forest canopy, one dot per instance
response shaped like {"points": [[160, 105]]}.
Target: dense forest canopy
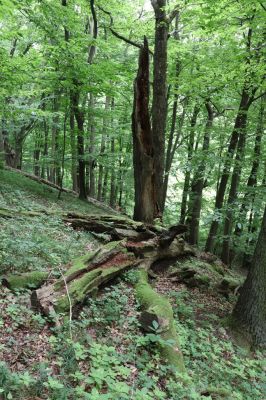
{"points": [[153, 110]]}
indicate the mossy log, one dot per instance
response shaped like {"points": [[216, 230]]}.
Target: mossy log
{"points": [[84, 276], [95, 268], [28, 280], [156, 308], [87, 273]]}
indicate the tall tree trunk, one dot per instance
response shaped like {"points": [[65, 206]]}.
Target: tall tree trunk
{"points": [[198, 182], [159, 102], [228, 221], [113, 185], [102, 150], [55, 169], [249, 314], [79, 116], [240, 126], [73, 145], [37, 153], [143, 152], [92, 161], [172, 144], [105, 184], [45, 151], [252, 179], [188, 166], [113, 175]]}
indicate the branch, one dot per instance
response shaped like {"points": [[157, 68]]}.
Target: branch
{"points": [[13, 49], [27, 48], [125, 39], [259, 96], [173, 14], [263, 6], [116, 34]]}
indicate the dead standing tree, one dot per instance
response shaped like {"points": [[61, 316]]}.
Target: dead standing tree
{"points": [[143, 153]]}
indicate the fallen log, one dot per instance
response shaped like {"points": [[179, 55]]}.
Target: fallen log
{"points": [[96, 268], [28, 280], [157, 317], [87, 273], [40, 180], [83, 277]]}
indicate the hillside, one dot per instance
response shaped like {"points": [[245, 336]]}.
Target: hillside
{"points": [[103, 353]]}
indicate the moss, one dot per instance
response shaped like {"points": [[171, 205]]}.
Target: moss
{"points": [[86, 284], [81, 262], [204, 279], [160, 306], [30, 280], [221, 392]]}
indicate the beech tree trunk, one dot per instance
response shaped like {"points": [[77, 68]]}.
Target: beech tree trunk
{"points": [[73, 150], [173, 141], [249, 315], [143, 151], [188, 166], [232, 197], [198, 182], [92, 161], [102, 150], [240, 126], [79, 116], [159, 102]]}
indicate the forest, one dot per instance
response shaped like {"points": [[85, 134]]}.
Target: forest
{"points": [[132, 199]]}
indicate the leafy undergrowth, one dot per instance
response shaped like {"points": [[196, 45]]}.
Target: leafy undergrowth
{"points": [[103, 355], [41, 242]]}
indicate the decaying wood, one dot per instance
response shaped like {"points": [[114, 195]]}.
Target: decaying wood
{"points": [[157, 317], [98, 267]]}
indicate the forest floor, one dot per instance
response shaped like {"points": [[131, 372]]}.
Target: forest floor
{"points": [[103, 354]]}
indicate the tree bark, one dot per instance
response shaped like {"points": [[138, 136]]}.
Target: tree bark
{"points": [[79, 116], [198, 182], [240, 126], [232, 197], [159, 102], [92, 161], [143, 151], [102, 150], [249, 315], [188, 166]]}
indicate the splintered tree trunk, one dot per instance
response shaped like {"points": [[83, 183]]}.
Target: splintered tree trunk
{"points": [[249, 315], [198, 183], [143, 152]]}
